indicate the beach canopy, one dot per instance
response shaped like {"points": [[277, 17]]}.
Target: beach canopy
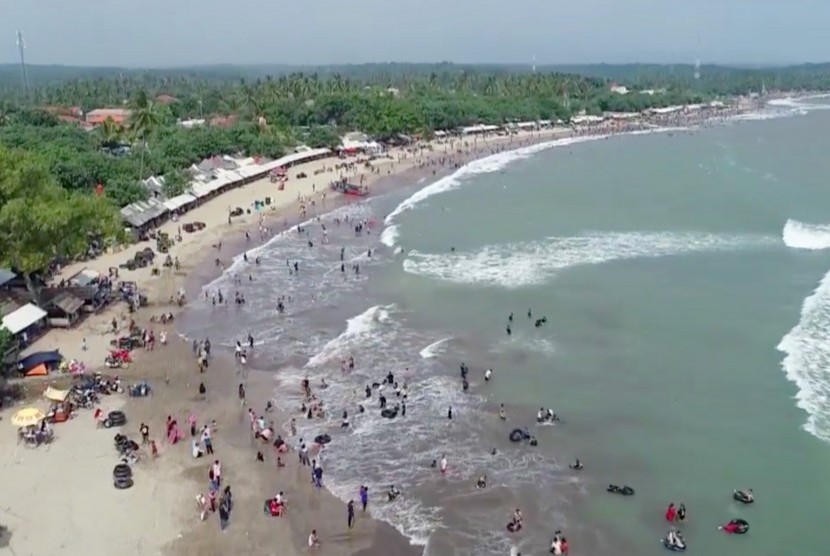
{"points": [[39, 358], [24, 317], [27, 416], [55, 395], [39, 370]]}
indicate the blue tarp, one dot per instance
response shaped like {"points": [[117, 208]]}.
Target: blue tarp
{"points": [[46, 357]]}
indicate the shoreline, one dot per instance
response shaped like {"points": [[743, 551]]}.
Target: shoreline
{"points": [[374, 537]]}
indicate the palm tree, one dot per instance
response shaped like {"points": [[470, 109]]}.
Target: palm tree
{"points": [[144, 119], [110, 132]]}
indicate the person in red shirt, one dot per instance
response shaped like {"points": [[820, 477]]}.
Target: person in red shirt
{"points": [[671, 513]]}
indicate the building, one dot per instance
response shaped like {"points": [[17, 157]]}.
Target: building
{"points": [[99, 115], [619, 89]]}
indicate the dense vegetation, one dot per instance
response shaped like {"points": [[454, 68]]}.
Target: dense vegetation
{"points": [[41, 221]]}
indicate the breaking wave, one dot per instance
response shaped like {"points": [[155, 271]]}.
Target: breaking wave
{"points": [[434, 349], [488, 164], [806, 236], [807, 359], [515, 265]]}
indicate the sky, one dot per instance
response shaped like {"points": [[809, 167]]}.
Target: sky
{"points": [[167, 33]]}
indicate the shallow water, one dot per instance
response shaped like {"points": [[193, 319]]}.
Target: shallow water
{"points": [[671, 267]]}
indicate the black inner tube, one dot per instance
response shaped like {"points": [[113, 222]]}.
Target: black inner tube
{"points": [[389, 413], [517, 435], [322, 439]]}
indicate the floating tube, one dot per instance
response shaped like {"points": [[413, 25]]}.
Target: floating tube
{"points": [[389, 413], [322, 439], [514, 527], [123, 483], [517, 435], [623, 490], [736, 527]]}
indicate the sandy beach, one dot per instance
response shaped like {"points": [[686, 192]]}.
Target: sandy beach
{"points": [[60, 497]]}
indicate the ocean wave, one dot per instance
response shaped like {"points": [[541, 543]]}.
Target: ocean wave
{"points": [[434, 349], [806, 236], [515, 265], [389, 236], [266, 249], [807, 360], [359, 329], [378, 451], [798, 103], [496, 162]]}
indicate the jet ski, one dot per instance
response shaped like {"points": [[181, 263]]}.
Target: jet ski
{"points": [[743, 496]]}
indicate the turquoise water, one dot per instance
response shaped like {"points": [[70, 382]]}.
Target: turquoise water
{"points": [[659, 263]]}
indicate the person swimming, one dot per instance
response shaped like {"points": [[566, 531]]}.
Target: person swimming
{"points": [[393, 493], [576, 465], [482, 482], [449, 413], [344, 424], [488, 374], [502, 414]]}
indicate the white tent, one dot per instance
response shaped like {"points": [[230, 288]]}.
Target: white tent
{"points": [[19, 320]]}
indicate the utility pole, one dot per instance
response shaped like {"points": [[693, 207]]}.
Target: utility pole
{"points": [[21, 46]]}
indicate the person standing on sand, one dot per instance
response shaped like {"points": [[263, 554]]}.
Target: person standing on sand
{"points": [[145, 433], [207, 440], [224, 517], [350, 514], [241, 394], [364, 496]]}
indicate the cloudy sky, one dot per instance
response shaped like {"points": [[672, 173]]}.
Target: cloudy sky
{"points": [[180, 32]]}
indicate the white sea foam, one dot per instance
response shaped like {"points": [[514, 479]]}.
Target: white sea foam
{"points": [[806, 236], [434, 349], [358, 330], [807, 360], [516, 265], [376, 452], [389, 236]]}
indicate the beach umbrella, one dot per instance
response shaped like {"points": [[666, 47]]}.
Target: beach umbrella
{"points": [[27, 416]]}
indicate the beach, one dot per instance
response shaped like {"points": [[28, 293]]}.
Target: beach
{"points": [[169, 483]]}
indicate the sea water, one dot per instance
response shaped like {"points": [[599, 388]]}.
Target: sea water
{"points": [[685, 278]]}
